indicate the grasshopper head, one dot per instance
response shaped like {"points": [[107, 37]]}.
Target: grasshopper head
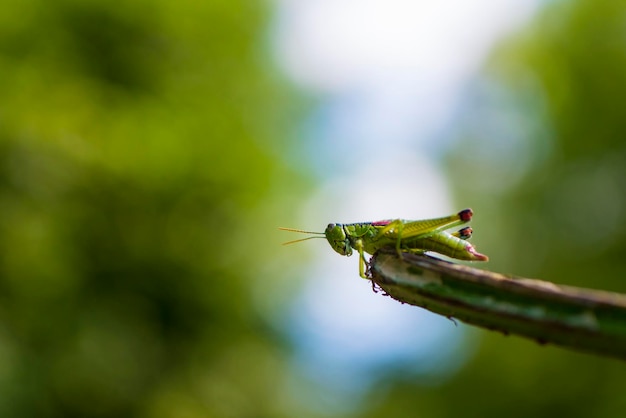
{"points": [[337, 239]]}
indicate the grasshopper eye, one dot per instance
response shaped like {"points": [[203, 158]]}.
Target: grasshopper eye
{"points": [[337, 239]]}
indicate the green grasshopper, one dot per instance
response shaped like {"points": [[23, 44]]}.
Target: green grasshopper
{"points": [[405, 236]]}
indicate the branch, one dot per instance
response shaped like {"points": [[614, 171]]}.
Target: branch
{"points": [[582, 319]]}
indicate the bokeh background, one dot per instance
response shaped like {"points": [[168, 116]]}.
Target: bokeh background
{"points": [[150, 149]]}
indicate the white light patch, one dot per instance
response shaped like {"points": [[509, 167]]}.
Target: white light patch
{"points": [[394, 70], [332, 45]]}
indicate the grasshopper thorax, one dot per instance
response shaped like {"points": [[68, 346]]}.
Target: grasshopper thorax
{"points": [[338, 239]]}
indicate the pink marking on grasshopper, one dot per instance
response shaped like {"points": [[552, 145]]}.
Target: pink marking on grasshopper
{"points": [[478, 256]]}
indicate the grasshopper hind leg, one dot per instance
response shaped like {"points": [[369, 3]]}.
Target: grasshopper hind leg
{"points": [[396, 226]]}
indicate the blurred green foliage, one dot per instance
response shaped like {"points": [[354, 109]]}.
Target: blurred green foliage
{"points": [[136, 147]]}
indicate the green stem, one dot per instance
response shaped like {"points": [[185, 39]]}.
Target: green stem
{"points": [[582, 319]]}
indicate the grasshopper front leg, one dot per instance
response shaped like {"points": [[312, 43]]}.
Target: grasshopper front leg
{"points": [[358, 245]]}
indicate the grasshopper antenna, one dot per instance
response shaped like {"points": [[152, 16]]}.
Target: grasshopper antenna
{"points": [[301, 231]]}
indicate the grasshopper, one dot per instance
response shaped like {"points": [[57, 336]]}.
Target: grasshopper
{"points": [[406, 236]]}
